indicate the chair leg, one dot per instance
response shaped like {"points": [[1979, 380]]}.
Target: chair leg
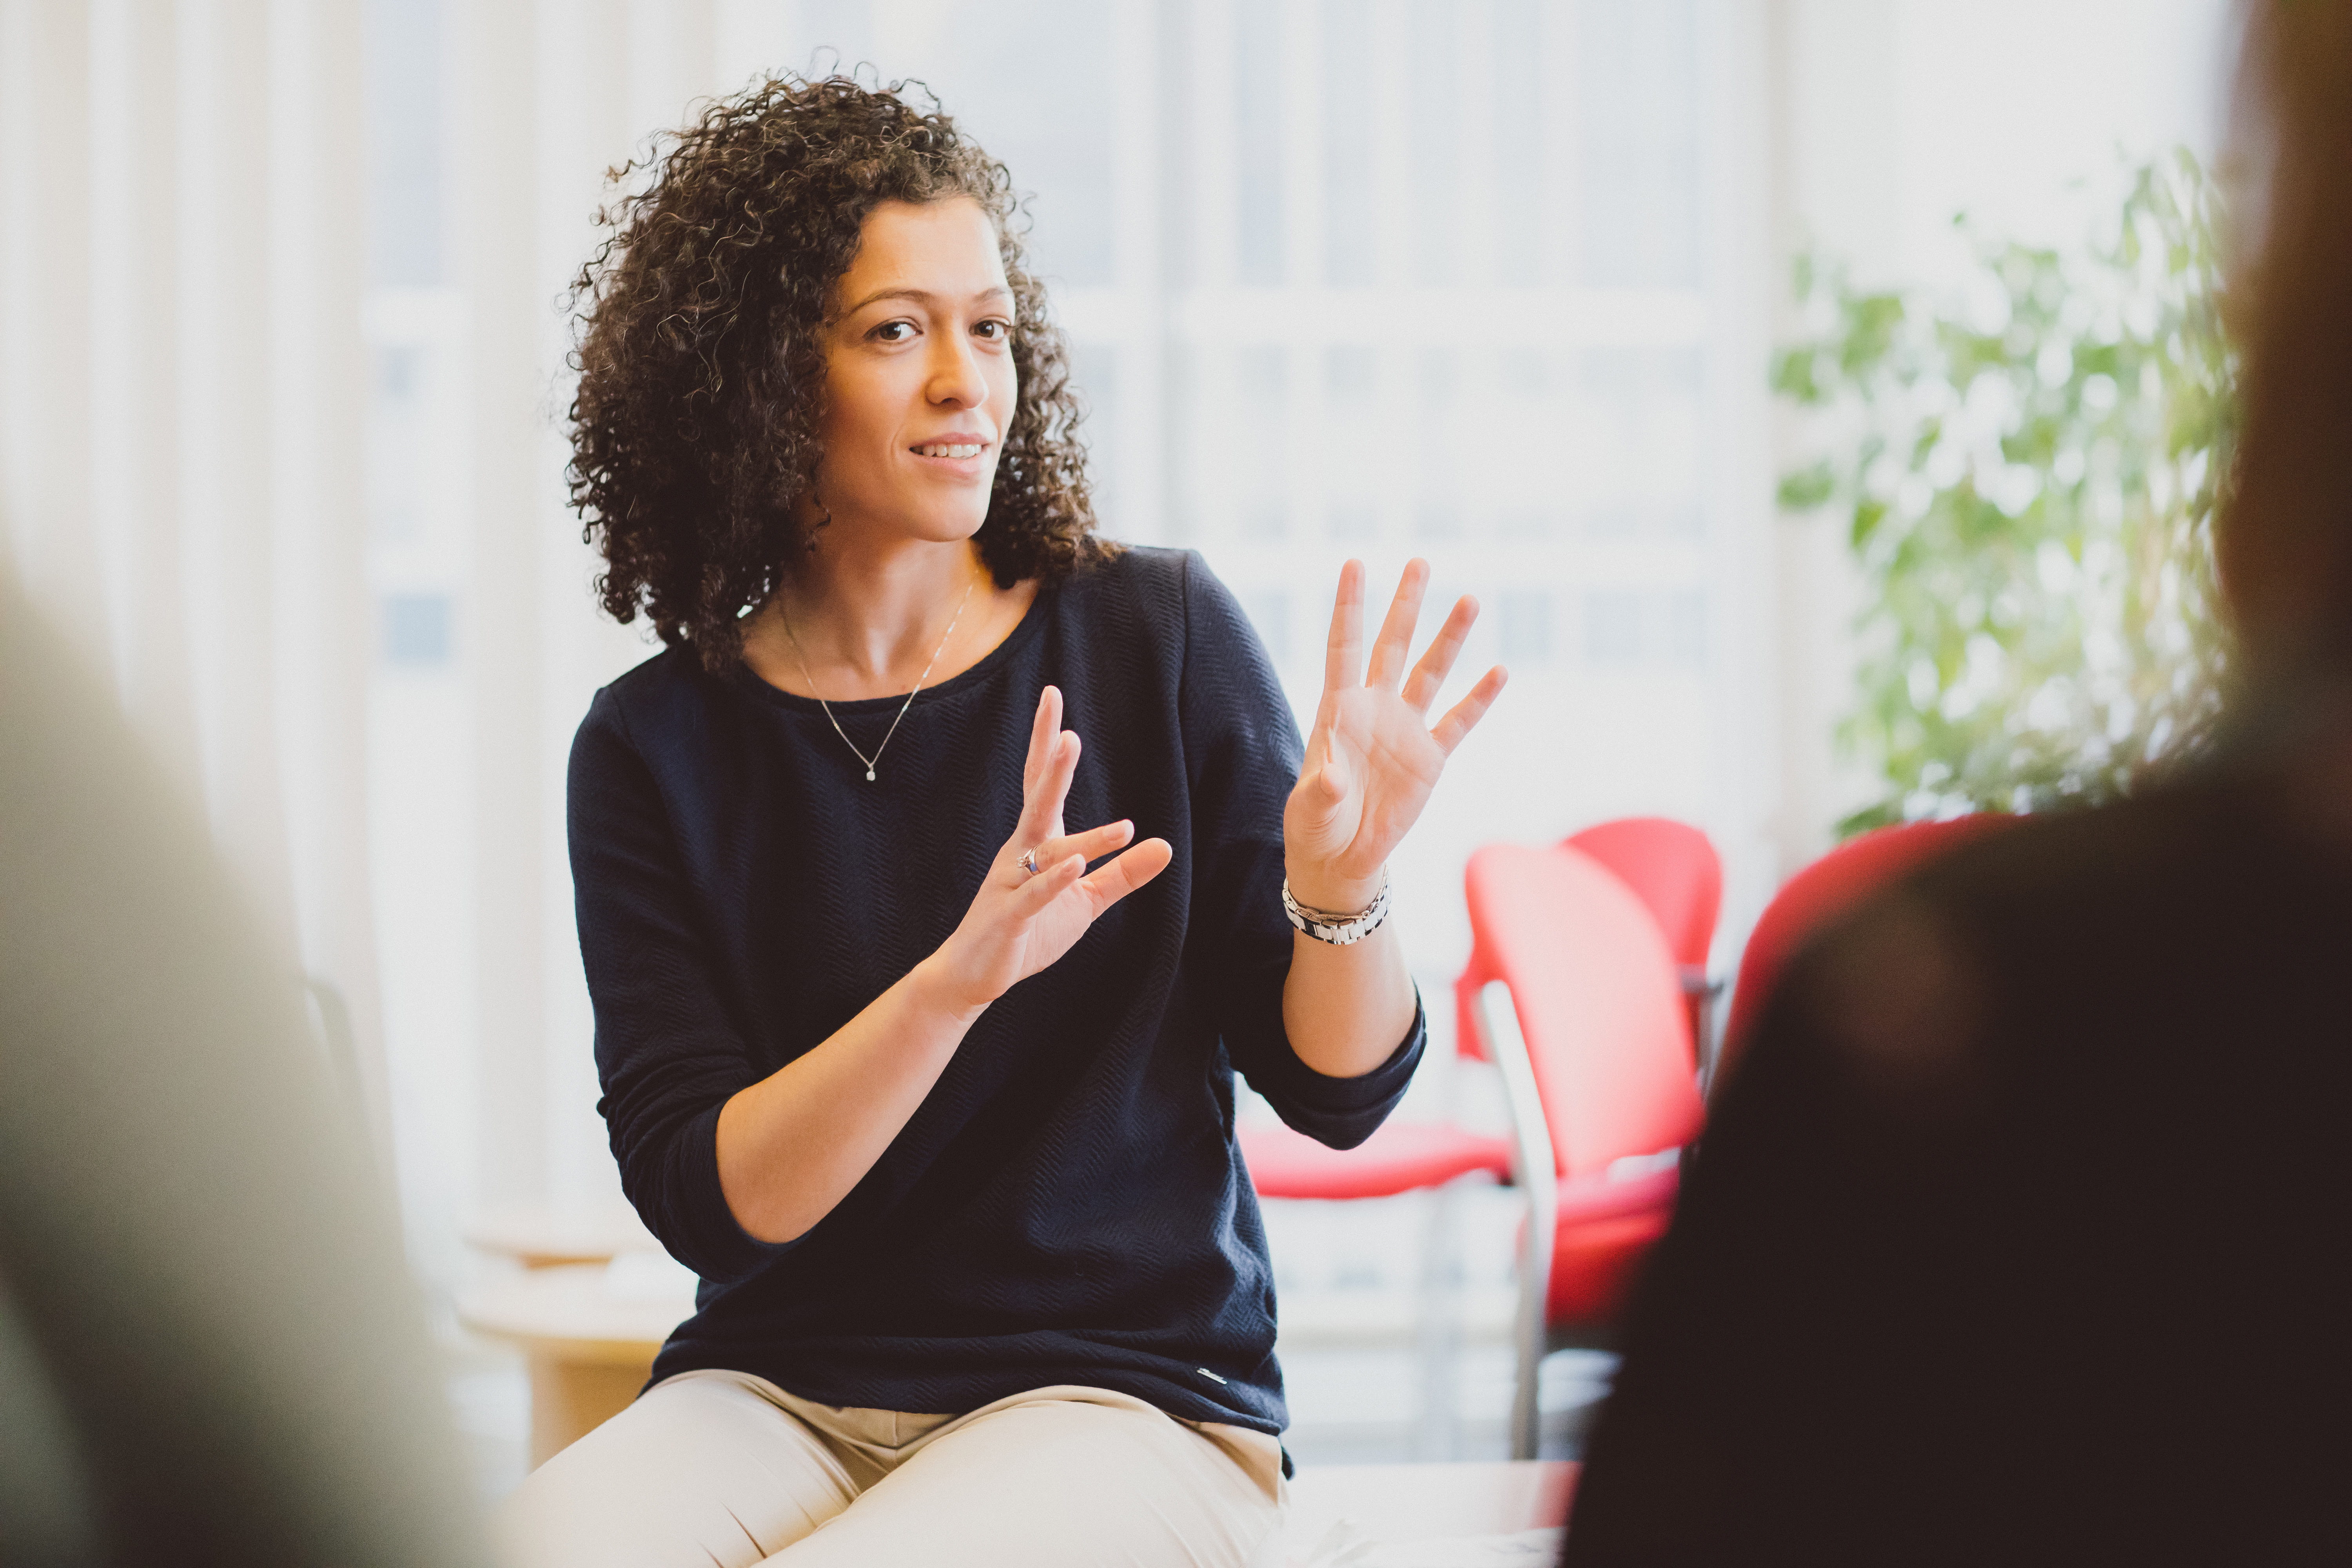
{"points": [[1535, 1169], [1709, 1045], [1527, 1338], [1439, 1332]]}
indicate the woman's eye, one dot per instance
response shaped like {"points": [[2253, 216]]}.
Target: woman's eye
{"points": [[994, 330], [895, 332]]}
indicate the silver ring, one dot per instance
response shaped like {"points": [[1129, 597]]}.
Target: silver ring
{"points": [[1029, 863]]}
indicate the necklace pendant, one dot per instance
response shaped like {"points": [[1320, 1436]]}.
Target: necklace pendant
{"points": [[919, 679]]}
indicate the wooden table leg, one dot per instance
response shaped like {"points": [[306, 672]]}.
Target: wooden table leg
{"points": [[569, 1399]]}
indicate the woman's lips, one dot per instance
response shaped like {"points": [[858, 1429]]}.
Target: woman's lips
{"points": [[961, 454]]}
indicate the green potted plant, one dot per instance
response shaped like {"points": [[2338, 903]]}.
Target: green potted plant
{"points": [[2030, 470]]}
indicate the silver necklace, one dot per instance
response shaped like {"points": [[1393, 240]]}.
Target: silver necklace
{"points": [[893, 730]]}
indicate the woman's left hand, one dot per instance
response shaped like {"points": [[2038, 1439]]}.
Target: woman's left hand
{"points": [[1373, 758]]}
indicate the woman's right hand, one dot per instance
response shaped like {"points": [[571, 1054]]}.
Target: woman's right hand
{"points": [[1019, 923]]}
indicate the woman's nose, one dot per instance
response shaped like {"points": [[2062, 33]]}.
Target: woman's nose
{"points": [[956, 379]]}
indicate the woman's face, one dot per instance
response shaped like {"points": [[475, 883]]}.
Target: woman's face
{"points": [[919, 373]]}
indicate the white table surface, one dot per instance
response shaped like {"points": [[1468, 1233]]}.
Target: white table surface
{"points": [[1424, 1502]]}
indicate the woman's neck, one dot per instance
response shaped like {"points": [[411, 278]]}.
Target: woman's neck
{"points": [[848, 622]]}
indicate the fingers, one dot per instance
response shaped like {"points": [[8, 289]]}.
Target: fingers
{"points": [[1437, 662], [1041, 813], [1050, 883], [1042, 731], [1395, 641], [1343, 655], [1323, 785], [1332, 781], [1062, 863], [1092, 845], [1106, 886], [1460, 718], [1129, 871]]}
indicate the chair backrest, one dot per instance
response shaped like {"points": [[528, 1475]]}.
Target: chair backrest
{"points": [[1824, 890], [1598, 1000], [1673, 868]]}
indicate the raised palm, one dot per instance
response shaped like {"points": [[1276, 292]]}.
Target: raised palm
{"points": [[1374, 757]]}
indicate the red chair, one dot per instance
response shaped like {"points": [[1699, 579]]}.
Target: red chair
{"points": [[1582, 1010], [1674, 872], [1826, 889], [1612, 914], [1673, 869], [1401, 1157]]}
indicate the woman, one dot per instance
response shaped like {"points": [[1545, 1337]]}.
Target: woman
{"points": [[942, 1118]]}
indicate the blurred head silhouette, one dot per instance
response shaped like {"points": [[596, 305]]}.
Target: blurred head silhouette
{"points": [[2285, 541], [2017, 1234]]}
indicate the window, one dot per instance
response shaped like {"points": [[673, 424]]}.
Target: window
{"points": [[1361, 277]]}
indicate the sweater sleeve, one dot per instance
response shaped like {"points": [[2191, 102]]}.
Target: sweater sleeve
{"points": [[668, 1054], [1243, 754]]}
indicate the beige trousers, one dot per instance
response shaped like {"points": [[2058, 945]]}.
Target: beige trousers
{"points": [[722, 1470]]}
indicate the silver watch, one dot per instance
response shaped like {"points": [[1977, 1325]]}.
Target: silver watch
{"points": [[1339, 929]]}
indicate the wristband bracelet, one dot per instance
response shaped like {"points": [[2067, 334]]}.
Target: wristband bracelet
{"points": [[1338, 930]]}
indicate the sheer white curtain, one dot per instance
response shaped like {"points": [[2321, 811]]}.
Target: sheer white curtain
{"points": [[192, 358], [493, 1085], [180, 392]]}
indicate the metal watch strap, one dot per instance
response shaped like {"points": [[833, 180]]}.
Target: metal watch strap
{"points": [[1337, 930]]}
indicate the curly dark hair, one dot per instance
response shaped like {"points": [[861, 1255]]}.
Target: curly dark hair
{"points": [[694, 428]]}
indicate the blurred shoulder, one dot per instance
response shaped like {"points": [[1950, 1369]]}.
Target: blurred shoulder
{"points": [[2186, 855], [2137, 941]]}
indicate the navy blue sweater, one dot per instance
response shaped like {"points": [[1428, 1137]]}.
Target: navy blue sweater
{"points": [[1067, 1205]]}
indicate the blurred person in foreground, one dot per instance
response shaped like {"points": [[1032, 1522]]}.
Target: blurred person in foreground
{"points": [[2019, 1235], [210, 1352]]}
